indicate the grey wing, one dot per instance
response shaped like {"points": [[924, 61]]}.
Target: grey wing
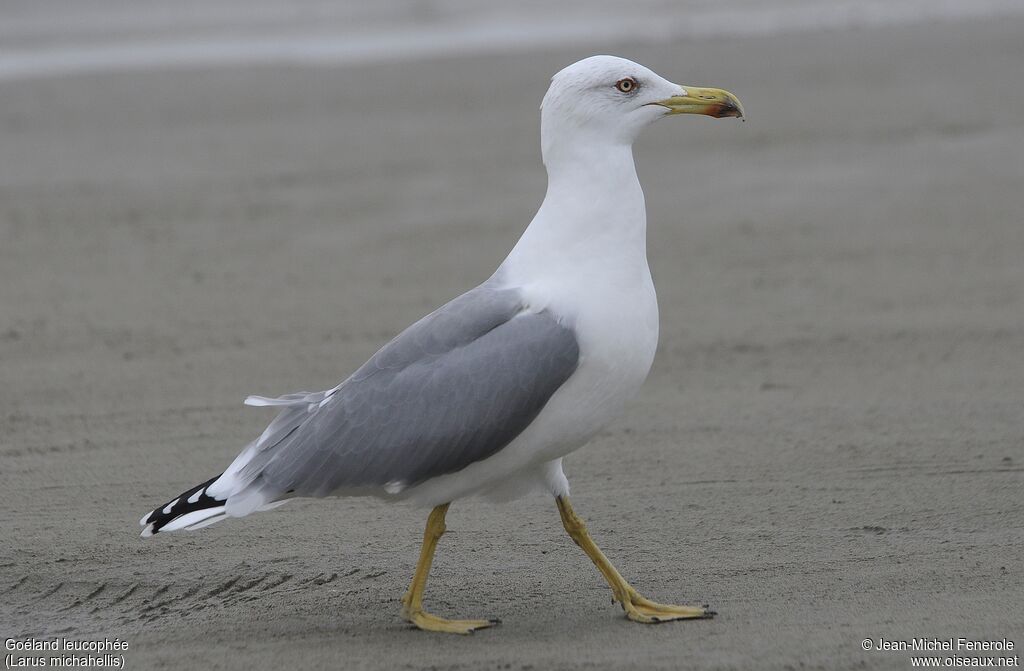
{"points": [[452, 389]]}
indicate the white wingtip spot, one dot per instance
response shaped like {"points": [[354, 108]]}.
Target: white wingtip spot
{"points": [[167, 508], [145, 519], [394, 487], [147, 532], [195, 497]]}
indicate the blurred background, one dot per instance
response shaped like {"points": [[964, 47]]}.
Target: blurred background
{"points": [[205, 200]]}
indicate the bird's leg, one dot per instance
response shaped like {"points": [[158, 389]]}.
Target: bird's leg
{"points": [[412, 602], [637, 607]]}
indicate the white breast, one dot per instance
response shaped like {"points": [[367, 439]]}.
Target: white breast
{"points": [[615, 318], [613, 310]]}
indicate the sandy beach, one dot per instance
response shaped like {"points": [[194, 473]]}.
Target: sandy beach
{"points": [[830, 447]]}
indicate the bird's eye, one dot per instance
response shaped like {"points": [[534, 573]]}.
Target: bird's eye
{"points": [[627, 85]]}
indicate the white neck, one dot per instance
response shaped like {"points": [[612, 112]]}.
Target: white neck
{"points": [[593, 221]]}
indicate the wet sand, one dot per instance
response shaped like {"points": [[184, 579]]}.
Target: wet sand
{"points": [[829, 447]]}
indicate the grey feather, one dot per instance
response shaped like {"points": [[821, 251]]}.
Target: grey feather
{"points": [[451, 390]]}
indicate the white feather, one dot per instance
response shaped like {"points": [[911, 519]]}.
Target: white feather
{"points": [[194, 517], [205, 523]]}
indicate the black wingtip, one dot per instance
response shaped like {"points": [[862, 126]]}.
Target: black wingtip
{"points": [[161, 516]]}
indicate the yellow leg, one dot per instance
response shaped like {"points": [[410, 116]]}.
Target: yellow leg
{"points": [[412, 602], [637, 607]]}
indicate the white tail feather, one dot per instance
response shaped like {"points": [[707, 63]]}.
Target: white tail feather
{"points": [[187, 520]]}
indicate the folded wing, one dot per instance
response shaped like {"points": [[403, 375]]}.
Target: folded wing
{"points": [[451, 390]]}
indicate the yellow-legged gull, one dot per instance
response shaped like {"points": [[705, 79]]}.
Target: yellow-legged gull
{"points": [[487, 394]]}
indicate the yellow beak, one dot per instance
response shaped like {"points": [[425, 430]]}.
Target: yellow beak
{"points": [[712, 102]]}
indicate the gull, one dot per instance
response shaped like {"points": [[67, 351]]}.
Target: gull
{"points": [[487, 394]]}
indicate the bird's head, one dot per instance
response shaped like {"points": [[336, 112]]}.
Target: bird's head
{"points": [[613, 99]]}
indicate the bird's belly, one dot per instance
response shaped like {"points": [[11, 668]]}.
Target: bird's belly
{"points": [[617, 335]]}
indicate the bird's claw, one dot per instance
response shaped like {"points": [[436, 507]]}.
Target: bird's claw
{"points": [[646, 611]]}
